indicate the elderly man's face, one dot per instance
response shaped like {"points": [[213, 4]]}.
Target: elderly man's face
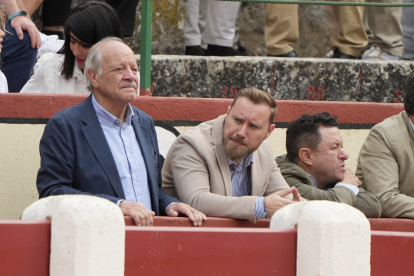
{"points": [[247, 125], [119, 81]]}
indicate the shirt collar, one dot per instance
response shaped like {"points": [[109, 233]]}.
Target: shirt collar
{"points": [[247, 161], [327, 187], [109, 119], [313, 179]]}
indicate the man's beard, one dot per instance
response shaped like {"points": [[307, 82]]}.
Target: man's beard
{"points": [[236, 152]]}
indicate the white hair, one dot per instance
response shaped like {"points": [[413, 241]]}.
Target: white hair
{"points": [[94, 59]]}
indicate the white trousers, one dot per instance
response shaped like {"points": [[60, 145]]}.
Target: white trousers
{"points": [[220, 22]]}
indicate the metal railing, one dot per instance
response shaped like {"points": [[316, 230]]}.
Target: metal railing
{"points": [[146, 34]]}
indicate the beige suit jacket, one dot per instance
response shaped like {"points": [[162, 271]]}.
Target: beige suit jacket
{"points": [[386, 166], [196, 170]]}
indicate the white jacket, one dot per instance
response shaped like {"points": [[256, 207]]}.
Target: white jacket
{"points": [[48, 79], [4, 88]]}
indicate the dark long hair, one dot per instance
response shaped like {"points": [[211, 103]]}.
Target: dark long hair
{"points": [[90, 22]]}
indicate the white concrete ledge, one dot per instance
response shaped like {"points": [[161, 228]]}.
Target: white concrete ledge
{"points": [[333, 238], [88, 234]]}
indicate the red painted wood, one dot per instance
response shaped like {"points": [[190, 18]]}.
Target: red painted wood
{"points": [[392, 253], [15, 105], [211, 222], [24, 248], [387, 224], [218, 251], [380, 224]]}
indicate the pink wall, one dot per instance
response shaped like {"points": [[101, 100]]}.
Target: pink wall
{"points": [[15, 105]]}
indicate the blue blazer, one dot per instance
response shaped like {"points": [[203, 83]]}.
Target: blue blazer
{"points": [[76, 158]]}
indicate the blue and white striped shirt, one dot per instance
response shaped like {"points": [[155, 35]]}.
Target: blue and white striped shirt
{"points": [[241, 182]]}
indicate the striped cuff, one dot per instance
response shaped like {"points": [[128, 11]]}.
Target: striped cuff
{"points": [[259, 211]]}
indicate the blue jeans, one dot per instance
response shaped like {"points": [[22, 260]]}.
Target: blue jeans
{"points": [[18, 58]]}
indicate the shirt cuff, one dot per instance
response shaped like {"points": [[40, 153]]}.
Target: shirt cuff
{"points": [[119, 202], [349, 186], [169, 205], [259, 211]]}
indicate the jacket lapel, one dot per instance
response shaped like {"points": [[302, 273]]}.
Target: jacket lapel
{"points": [[97, 142], [221, 157], [409, 129]]}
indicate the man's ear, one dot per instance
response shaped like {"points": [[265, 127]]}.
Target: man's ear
{"points": [[269, 130], [305, 154], [92, 76]]}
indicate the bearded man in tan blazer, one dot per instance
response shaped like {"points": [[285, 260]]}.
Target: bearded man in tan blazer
{"points": [[225, 167], [386, 160]]}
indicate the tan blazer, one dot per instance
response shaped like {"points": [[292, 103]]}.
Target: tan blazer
{"points": [[386, 166], [196, 170]]}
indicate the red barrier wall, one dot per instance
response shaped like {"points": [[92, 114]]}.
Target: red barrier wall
{"points": [[25, 249], [392, 253], [218, 251], [15, 105]]}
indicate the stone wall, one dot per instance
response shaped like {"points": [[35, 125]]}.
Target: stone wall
{"points": [[285, 79]]}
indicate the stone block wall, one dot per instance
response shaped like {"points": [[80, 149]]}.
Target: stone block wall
{"points": [[284, 78]]}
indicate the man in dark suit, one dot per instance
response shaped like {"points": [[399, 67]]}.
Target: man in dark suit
{"points": [[104, 146]]}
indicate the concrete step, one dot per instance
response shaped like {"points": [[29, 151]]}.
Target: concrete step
{"points": [[317, 79]]}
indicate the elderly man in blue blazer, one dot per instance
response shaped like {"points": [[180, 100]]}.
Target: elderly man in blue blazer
{"points": [[105, 147]]}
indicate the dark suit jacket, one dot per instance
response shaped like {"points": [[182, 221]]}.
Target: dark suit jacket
{"points": [[76, 158]]}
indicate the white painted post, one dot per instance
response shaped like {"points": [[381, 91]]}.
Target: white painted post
{"points": [[88, 234], [333, 238]]}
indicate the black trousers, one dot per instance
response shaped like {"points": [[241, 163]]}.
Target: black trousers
{"points": [[55, 13], [126, 10]]}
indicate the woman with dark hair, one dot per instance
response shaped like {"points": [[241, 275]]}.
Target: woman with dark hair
{"points": [[87, 24]]}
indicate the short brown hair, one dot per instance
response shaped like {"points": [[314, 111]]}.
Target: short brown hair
{"points": [[258, 96]]}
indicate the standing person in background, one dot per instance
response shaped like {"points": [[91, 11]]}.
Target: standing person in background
{"points": [[385, 43], [407, 22], [88, 23], [282, 31], [220, 25], [126, 10], [20, 46]]}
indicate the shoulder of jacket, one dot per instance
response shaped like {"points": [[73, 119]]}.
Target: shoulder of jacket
{"points": [[392, 125], [51, 58]]}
